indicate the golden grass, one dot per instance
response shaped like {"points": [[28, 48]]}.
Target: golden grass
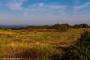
{"points": [[16, 41]]}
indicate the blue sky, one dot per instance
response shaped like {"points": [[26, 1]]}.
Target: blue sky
{"points": [[41, 12]]}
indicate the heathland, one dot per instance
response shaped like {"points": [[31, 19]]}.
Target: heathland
{"points": [[57, 42]]}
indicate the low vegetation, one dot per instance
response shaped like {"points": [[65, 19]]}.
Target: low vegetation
{"points": [[57, 42]]}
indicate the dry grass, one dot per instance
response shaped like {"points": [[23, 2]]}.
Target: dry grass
{"points": [[16, 43]]}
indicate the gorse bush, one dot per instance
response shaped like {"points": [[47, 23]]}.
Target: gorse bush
{"points": [[78, 51]]}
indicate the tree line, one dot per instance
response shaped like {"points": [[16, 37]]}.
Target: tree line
{"points": [[55, 26]]}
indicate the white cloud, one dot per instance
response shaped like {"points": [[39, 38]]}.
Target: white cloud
{"points": [[57, 7], [34, 8], [81, 7], [45, 8], [13, 4], [41, 4]]}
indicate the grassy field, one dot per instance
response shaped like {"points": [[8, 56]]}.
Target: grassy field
{"points": [[37, 45]]}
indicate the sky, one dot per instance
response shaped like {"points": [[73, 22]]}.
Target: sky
{"points": [[44, 12]]}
